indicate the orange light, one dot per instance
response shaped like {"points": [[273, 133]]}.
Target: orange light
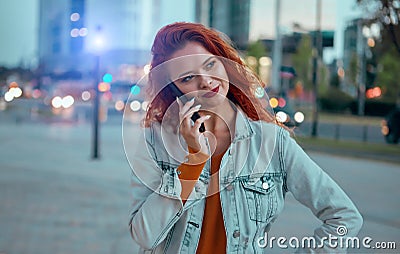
{"points": [[377, 91], [340, 72], [385, 130], [371, 42], [13, 84], [104, 87], [273, 102], [373, 92]]}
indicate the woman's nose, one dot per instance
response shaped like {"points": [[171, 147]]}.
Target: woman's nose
{"points": [[205, 81]]}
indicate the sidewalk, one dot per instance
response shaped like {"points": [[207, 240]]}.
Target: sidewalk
{"points": [[352, 149], [55, 199]]}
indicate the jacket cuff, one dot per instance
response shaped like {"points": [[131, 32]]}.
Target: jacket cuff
{"points": [[170, 185]]}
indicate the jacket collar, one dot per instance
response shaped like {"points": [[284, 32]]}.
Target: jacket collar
{"points": [[243, 129]]}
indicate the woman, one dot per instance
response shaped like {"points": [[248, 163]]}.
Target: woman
{"points": [[211, 171]]}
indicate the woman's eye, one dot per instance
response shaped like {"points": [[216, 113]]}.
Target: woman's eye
{"points": [[210, 64], [187, 78]]}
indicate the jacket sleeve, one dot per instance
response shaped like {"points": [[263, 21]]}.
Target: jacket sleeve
{"points": [[312, 187], [156, 202]]}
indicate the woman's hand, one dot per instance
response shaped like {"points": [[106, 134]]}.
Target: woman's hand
{"points": [[189, 130]]}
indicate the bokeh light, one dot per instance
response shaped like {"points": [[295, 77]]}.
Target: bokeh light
{"points": [[74, 32], [75, 16], [67, 101], [85, 95], [56, 102], [281, 117], [299, 117], [273, 102], [135, 90], [135, 106], [119, 105]]}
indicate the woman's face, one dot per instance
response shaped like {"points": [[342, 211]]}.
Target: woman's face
{"points": [[198, 73]]}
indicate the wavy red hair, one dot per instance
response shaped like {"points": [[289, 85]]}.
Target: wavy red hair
{"points": [[174, 37]]}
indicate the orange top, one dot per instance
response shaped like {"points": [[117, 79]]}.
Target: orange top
{"points": [[213, 236]]}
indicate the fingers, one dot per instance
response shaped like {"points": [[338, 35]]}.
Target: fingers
{"points": [[199, 121], [186, 106], [190, 112]]}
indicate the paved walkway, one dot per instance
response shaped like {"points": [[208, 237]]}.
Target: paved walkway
{"points": [[55, 199]]}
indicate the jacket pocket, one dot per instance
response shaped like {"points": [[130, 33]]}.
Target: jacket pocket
{"points": [[261, 197]]}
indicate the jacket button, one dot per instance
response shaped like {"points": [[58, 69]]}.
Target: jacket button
{"points": [[236, 234], [229, 187]]}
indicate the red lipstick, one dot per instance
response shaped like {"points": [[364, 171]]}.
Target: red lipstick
{"points": [[212, 93]]}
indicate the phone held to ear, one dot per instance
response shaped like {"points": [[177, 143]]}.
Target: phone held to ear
{"points": [[180, 95]]}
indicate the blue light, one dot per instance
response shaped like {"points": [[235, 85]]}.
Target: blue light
{"points": [[107, 78], [135, 90]]}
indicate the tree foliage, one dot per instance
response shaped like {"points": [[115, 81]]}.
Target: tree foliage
{"points": [[389, 75], [256, 49], [302, 61]]}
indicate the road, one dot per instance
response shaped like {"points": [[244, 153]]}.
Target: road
{"points": [[25, 110], [344, 131], [55, 199]]}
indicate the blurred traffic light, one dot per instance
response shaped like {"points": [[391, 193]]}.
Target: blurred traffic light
{"points": [[135, 90], [104, 87], [107, 78]]}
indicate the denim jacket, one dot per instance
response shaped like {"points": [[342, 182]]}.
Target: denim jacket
{"points": [[260, 166]]}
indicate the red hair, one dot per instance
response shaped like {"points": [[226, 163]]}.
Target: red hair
{"points": [[174, 37]]}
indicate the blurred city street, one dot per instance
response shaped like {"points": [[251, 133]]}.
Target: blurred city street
{"points": [[70, 70], [56, 199]]}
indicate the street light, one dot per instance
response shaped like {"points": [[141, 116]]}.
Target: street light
{"points": [[316, 53], [98, 45]]}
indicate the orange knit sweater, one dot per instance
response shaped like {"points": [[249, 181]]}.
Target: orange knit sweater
{"points": [[213, 236]]}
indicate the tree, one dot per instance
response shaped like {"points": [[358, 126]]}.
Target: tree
{"points": [[385, 13], [388, 75], [302, 61], [352, 73], [257, 50]]}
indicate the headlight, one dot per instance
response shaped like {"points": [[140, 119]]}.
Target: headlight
{"points": [[299, 117]]}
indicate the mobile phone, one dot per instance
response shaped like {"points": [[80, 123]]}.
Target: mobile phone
{"points": [[180, 95]]}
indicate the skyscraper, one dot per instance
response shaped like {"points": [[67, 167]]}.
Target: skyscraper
{"points": [[121, 31], [231, 17]]}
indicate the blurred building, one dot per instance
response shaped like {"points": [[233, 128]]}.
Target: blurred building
{"points": [[231, 17], [352, 46], [350, 43], [72, 32]]}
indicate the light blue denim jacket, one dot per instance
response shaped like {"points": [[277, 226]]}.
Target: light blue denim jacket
{"points": [[262, 163]]}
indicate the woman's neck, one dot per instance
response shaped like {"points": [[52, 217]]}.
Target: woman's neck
{"points": [[221, 127]]}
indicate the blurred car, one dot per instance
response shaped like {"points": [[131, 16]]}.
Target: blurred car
{"points": [[390, 126], [285, 113]]}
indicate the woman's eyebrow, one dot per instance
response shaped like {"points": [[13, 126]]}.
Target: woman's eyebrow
{"points": [[189, 72], [184, 74], [208, 59]]}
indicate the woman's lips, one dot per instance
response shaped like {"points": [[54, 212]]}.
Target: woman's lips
{"points": [[212, 93]]}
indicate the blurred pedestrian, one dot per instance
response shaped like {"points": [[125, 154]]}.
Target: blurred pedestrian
{"points": [[212, 167]]}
